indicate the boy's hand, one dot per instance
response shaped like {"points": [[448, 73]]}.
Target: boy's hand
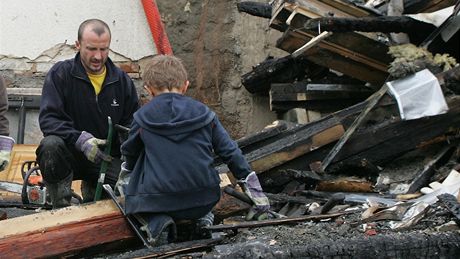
{"points": [[253, 190], [123, 179], [89, 145]]}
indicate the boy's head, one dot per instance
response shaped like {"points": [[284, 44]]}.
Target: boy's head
{"points": [[165, 73]]}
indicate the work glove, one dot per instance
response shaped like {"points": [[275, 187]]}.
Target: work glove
{"points": [[252, 188], [6, 145], [89, 145], [123, 179]]}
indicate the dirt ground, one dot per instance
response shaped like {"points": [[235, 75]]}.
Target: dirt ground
{"points": [[218, 45]]}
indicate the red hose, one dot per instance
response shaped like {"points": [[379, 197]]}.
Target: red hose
{"points": [[156, 27]]}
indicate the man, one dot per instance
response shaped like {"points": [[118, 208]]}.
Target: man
{"points": [[78, 96], [6, 143]]}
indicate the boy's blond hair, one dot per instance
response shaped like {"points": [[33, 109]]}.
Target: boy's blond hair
{"points": [[165, 71]]}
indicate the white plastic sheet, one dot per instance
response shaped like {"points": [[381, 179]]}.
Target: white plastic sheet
{"points": [[418, 95]]}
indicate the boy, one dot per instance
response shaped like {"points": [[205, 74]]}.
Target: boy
{"points": [[170, 151]]}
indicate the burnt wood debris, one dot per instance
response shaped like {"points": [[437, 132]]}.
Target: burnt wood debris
{"points": [[362, 148]]}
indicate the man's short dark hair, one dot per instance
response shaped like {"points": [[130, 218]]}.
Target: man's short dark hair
{"points": [[99, 27]]}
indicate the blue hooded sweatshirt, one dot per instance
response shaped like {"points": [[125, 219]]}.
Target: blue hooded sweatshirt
{"points": [[171, 146]]}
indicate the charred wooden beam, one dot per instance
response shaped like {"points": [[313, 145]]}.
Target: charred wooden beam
{"points": [[295, 143], [320, 97], [423, 178], [275, 222], [255, 8], [426, 6], [302, 91], [382, 143], [281, 70], [408, 244], [171, 250], [324, 106], [450, 202], [372, 101], [253, 141], [384, 24], [357, 55]]}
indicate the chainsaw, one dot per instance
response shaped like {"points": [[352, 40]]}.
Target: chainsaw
{"points": [[32, 190]]}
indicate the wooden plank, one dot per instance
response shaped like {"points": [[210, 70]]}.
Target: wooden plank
{"points": [[12, 173], [372, 101], [282, 9], [299, 140], [63, 231], [345, 184], [347, 7], [318, 97], [386, 141], [303, 91], [426, 6], [370, 24], [358, 55]]}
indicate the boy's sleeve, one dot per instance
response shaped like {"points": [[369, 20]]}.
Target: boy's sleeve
{"points": [[227, 149], [133, 146]]}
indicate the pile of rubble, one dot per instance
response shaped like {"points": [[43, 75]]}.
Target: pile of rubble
{"points": [[371, 169], [370, 166]]}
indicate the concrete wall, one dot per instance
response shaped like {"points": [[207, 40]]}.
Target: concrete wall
{"points": [[34, 35]]}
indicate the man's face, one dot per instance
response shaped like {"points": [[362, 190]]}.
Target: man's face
{"points": [[94, 50]]}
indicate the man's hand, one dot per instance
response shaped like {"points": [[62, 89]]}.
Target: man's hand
{"points": [[6, 145], [253, 190], [89, 145]]}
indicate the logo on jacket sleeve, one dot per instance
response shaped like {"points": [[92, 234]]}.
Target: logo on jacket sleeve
{"points": [[114, 103]]}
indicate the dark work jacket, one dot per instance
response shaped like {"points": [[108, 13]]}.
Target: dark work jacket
{"points": [[171, 146], [69, 103]]}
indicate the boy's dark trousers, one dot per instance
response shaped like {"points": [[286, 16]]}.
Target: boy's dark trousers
{"points": [[161, 226]]}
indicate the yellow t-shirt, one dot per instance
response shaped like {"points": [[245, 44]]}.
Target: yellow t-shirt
{"points": [[97, 81]]}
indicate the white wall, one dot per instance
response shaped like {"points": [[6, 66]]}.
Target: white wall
{"points": [[28, 28], [35, 34]]}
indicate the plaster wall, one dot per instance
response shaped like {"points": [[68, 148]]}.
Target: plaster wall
{"points": [[34, 35], [29, 28]]}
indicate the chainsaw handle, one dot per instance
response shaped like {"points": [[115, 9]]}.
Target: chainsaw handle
{"points": [[29, 164]]}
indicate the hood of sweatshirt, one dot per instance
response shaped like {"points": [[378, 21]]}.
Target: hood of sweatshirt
{"points": [[173, 115]]}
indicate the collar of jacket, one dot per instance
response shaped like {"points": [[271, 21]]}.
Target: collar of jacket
{"points": [[79, 71]]}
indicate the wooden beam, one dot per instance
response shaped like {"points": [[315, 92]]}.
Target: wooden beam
{"points": [[369, 24], [304, 91], [63, 232], [382, 143], [255, 8], [280, 70], [372, 101], [275, 222], [426, 6], [358, 55]]}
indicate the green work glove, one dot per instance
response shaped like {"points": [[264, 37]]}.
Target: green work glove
{"points": [[261, 205], [89, 145], [6, 145]]}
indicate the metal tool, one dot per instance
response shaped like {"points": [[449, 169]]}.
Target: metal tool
{"points": [[29, 194], [104, 164], [245, 198], [32, 189], [131, 221]]}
